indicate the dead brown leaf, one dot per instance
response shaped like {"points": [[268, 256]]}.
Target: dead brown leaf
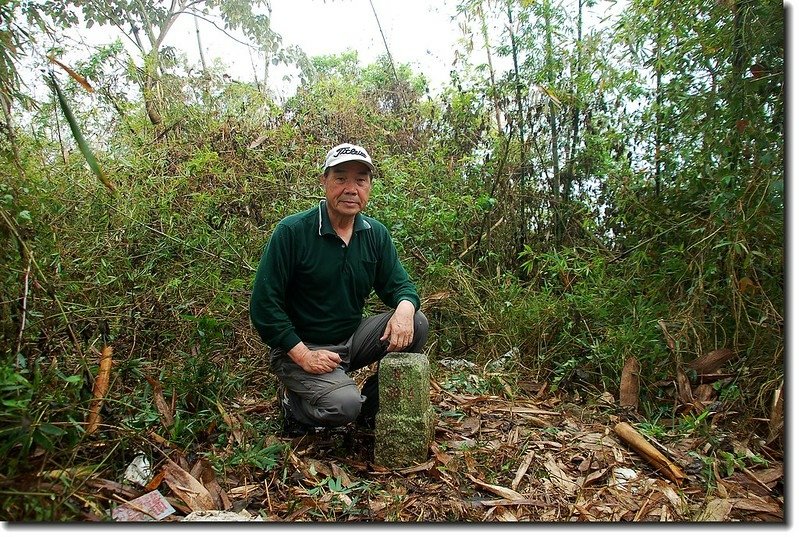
{"points": [[560, 479], [717, 510], [669, 339], [78, 78], [503, 492], [684, 393], [470, 425], [593, 477], [233, 423], [164, 411], [522, 470], [341, 475], [759, 505], [710, 362], [188, 489]]}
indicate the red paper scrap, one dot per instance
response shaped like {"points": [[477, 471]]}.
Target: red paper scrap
{"points": [[151, 506]]}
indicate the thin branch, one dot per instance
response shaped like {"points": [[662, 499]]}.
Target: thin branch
{"points": [[26, 279], [385, 44], [215, 25]]}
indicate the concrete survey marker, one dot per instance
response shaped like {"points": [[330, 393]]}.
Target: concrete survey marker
{"points": [[404, 426]]}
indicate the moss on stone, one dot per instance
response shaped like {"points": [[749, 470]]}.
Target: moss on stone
{"points": [[405, 423]]}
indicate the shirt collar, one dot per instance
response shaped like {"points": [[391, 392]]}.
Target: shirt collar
{"points": [[326, 228]]}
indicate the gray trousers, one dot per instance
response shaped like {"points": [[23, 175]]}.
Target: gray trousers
{"points": [[333, 399]]}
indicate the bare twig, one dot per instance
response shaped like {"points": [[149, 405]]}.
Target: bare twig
{"points": [[26, 280]]}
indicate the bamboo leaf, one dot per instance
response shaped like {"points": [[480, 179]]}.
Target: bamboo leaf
{"points": [[78, 78], [78, 135]]}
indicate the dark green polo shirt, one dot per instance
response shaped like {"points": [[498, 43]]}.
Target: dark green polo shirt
{"points": [[312, 287]]}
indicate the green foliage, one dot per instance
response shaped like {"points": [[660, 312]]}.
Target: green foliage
{"points": [[635, 187]]}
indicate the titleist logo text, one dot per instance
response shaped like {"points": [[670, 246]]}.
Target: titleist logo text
{"points": [[349, 151]]}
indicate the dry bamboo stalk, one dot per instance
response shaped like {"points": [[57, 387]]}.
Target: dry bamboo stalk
{"points": [[630, 383], [649, 452], [100, 389]]}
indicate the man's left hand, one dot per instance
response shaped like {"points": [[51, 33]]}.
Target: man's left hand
{"points": [[399, 330]]}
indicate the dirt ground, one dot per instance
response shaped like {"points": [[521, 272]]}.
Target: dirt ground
{"points": [[533, 457]]}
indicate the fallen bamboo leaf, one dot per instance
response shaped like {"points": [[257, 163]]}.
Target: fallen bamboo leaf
{"points": [[704, 393], [669, 339], [207, 477], [188, 489], [76, 472], [318, 467], [244, 491], [100, 390], [419, 467], [232, 422], [717, 510], [684, 393], [167, 420], [113, 487], [528, 410], [649, 452], [522, 471], [341, 475], [155, 482], [522, 501], [593, 477], [757, 505], [503, 515], [503, 492], [558, 477], [258, 141]]}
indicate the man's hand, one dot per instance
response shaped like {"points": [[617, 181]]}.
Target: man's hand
{"points": [[317, 362], [399, 330]]}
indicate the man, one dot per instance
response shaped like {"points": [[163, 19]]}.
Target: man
{"points": [[317, 271]]}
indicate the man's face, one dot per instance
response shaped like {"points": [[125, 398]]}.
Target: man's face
{"points": [[347, 187]]}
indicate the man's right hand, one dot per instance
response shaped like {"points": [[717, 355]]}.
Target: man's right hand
{"points": [[317, 362]]}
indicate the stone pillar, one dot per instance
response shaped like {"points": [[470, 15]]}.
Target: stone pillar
{"points": [[405, 422]]}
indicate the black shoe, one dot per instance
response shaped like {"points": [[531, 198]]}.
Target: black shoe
{"points": [[291, 427], [369, 407]]}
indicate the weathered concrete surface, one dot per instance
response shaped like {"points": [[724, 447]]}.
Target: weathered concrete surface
{"points": [[405, 422]]}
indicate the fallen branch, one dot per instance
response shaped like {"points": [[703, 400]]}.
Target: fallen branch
{"points": [[649, 452]]}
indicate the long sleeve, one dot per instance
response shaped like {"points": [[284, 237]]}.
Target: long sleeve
{"points": [[268, 309], [392, 283]]}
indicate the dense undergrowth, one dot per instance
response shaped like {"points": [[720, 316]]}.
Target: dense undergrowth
{"points": [[161, 269]]}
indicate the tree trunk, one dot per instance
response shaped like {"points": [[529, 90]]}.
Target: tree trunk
{"points": [[658, 108], [521, 237], [494, 95], [553, 126], [572, 154]]}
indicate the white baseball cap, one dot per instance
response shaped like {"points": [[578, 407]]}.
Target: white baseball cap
{"points": [[345, 153]]}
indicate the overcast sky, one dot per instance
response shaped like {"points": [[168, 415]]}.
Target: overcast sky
{"points": [[418, 32]]}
